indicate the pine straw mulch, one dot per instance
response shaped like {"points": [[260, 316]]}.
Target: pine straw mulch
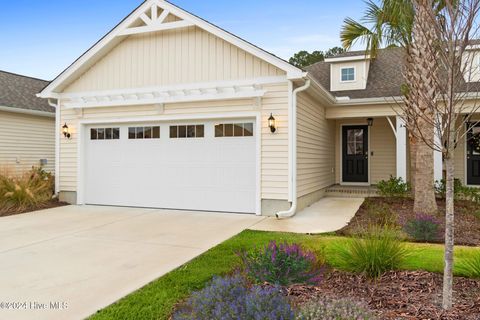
{"points": [[396, 295], [54, 203], [376, 211]]}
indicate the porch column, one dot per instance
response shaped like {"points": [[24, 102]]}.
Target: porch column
{"points": [[401, 133], [437, 160]]}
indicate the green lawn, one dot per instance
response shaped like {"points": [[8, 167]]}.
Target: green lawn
{"points": [[157, 299]]}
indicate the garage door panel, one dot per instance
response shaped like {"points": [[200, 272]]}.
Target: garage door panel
{"points": [[208, 173]]}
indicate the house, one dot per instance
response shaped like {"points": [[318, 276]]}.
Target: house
{"points": [[170, 111], [27, 124]]}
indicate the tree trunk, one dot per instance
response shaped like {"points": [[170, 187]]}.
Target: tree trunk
{"points": [[424, 194], [449, 232]]}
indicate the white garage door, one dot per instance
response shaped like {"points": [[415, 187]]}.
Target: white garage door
{"points": [[207, 165]]}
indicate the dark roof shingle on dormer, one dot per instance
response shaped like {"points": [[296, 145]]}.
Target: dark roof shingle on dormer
{"points": [[17, 91]]}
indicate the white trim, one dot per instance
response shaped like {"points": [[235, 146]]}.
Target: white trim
{"points": [[156, 28], [351, 58], [178, 87], [401, 148], [290, 137], [113, 37], [168, 118], [342, 183], [28, 112], [354, 74], [57, 144]]}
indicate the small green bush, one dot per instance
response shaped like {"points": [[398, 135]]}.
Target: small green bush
{"points": [[460, 191], [380, 214], [379, 250], [334, 310], [282, 264], [470, 266], [423, 228], [25, 191], [393, 187]]}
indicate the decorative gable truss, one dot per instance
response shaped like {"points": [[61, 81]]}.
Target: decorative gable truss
{"points": [[155, 19]]}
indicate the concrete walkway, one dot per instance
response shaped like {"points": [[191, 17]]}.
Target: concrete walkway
{"points": [[327, 215], [66, 263]]}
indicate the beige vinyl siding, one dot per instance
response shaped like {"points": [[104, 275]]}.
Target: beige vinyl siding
{"points": [[315, 148], [274, 149], [173, 57], [25, 139], [382, 143]]}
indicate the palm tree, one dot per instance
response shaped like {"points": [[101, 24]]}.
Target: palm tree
{"points": [[390, 25]]}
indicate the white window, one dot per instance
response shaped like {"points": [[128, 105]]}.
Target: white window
{"points": [[348, 74]]}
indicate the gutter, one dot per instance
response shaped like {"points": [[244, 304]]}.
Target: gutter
{"points": [[57, 144], [28, 112], [293, 151]]}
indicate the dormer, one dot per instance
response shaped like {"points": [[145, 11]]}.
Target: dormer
{"points": [[349, 72]]}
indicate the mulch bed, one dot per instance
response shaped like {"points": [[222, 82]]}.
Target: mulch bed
{"points": [[376, 210], [396, 295], [51, 204]]}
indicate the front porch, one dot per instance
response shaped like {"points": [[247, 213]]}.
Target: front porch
{"points": [[371, 149]]}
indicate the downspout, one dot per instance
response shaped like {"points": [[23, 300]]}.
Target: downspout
{"points": [[293, 151], [57, 144]]}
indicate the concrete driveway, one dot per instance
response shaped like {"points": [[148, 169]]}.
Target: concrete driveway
{"points": [[68, 262]]}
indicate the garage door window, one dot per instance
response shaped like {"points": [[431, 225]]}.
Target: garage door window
{"points": [[187, 131], [144, 133], [234, 130], [104, 133]]}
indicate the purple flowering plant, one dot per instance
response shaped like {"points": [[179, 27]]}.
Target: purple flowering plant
{"points": [[232, 298], [282, 264], [423, 227]]}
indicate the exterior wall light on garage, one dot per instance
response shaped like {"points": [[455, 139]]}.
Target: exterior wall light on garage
{"points": [[66, 132], [370, 122], [272, 123]]}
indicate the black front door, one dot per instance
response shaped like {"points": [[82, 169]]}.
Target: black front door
{"points": [[355, 154], [473, 156]]}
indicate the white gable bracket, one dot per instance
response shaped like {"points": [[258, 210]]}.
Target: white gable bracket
{"points": [[156, 27]]}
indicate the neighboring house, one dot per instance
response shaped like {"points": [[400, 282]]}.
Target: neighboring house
{"points": [[27, 124], [170, 111]]}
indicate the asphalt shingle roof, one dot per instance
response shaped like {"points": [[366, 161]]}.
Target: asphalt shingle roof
{"points": [[17, 91]]}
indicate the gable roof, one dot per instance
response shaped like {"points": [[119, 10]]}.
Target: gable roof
{"points": [[17, 91], [118, 34], [385, 76]]}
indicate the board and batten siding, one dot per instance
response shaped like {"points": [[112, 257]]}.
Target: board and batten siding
{"points": [[315, 148], [173, 57], [274, 149], [382, 143], [24, 140]]}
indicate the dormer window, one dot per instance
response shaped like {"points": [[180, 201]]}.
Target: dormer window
{"points": [[347, 74]]}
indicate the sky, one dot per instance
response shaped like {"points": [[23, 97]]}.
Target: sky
{"points": [[40, 38]]}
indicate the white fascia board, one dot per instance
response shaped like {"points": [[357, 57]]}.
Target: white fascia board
{"points": [[342, 101], [28, 112], [330, 99], [346, 59], [292, 71]]}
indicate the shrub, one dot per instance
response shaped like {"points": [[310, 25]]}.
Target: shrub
{"points": [[282, 264], [231, 298], [423, 228], [25, 191], [460, 191], [470, 266], [393, 187], [380, 213], [376, 252], [334, 310]]}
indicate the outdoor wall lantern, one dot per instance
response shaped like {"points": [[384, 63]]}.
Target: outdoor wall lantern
{"points": [[370, 122], [66, 132], [272, 124]]}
